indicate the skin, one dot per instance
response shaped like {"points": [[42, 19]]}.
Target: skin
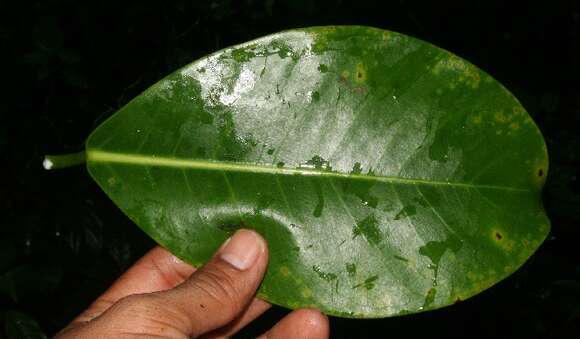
{"points": [[163, 297]]}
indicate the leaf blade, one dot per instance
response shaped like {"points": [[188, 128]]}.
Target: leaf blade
{"points": [[368, 159]]}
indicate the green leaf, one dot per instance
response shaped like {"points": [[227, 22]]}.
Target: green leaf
{"points": [[389, 176]]}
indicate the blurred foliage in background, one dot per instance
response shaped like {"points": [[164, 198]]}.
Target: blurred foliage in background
{"points": [[70, 64]]}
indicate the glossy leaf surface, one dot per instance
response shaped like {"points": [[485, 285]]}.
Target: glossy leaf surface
{"points": [[388, 176]]}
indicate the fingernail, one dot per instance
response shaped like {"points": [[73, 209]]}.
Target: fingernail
{"points": [[242, 249]]}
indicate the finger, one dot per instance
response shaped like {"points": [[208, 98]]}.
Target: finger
{"points": [[304, 323], [220, 291], [256, 308], [213, 296], [156, 271]]}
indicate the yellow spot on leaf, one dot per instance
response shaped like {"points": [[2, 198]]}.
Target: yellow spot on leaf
{"points": [[112, 181], [471, 276], [360, 74], [307, 293], [514, 126], [518, 110], [539, 174], [451, 257], [476, 119], [540, 168], [500, 117], [497, 235], [500, 238], [298, 281], [284, 271], [467, 74], [526, 243], [473, 76]]}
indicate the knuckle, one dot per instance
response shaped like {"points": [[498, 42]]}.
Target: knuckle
{"points": [[135, 303], [221, 287], [148, 314]]}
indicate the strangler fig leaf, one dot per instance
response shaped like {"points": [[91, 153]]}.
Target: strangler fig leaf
{"points": [[388, 176]]}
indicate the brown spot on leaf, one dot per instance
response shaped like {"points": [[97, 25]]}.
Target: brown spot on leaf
{"points": [[342, 79], [361, 72]]}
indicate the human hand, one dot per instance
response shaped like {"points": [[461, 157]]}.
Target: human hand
{"points": [[163, 297]]}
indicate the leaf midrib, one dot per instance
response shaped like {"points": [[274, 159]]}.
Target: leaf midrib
{"points": [[95, 155]]}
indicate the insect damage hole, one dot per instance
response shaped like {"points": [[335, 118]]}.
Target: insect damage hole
{"points": [[498, 236], [540, 172]]}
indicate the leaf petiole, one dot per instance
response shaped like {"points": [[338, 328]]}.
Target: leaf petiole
{"points": [[51, 162]]}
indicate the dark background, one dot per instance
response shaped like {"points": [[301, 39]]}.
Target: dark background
{"points": [[70, 64]]}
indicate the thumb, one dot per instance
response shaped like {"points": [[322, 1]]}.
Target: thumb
{"points": [[212, 297], [221, 290]]}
